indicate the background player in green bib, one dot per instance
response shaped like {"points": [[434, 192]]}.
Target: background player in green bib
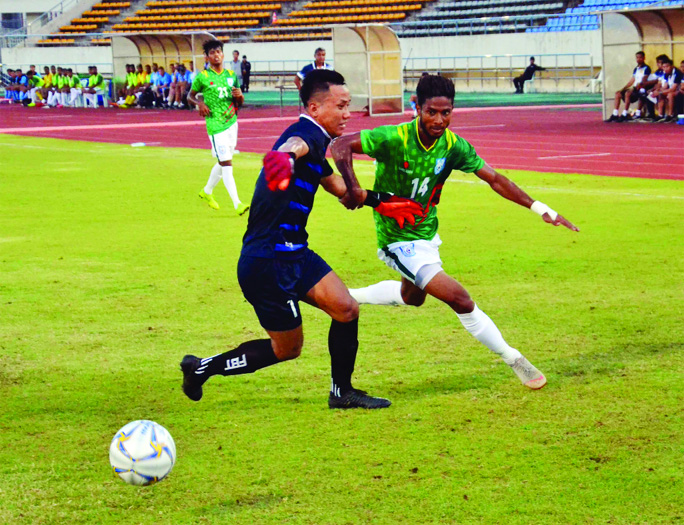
{"points": [[96, 86], [413, 161], [221, 96]]}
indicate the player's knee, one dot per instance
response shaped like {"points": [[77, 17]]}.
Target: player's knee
{"points": [[413, 299], [347, 311], [460, 302], [288, 351]]}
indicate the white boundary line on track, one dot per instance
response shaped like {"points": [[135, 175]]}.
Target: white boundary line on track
{"points": [[135, 125], [576, 156]]}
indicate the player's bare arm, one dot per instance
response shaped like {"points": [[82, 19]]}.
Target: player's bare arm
{"points": [[342, 150], [507, 189], [334, 184], [238, 97], [400, 209], [627, 86], [204, 110]]}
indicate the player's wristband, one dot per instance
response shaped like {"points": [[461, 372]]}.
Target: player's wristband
{"points": [[374, 198], [540, 208]]}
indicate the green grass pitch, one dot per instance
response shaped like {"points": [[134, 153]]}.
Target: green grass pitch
{"points": [[111, 269]]}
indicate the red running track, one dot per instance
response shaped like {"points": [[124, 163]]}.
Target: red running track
{"points": [[548, 139]]}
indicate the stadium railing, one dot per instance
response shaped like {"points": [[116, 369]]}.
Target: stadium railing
{"points": [[565, 72]]}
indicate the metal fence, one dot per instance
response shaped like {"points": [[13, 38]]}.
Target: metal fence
{"points": [[564, 72]]}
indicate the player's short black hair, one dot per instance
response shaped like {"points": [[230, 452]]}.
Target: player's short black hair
{"points": [[211, 44], [663, 57], [318, 49], [668, 61], [432, 86], [531, 58], [319, 81], [641, 53]]}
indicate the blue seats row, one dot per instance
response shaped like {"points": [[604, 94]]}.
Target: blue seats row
{"points": [[580, 20]]}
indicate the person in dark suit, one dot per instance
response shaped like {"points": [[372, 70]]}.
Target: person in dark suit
{"points": [[519, 82]]}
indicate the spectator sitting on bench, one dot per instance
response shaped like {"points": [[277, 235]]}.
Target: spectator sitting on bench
{"points": [[519, 82], [630, 93], [96, 85], [669, 96]]}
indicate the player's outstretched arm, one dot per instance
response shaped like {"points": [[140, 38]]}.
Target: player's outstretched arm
{"points": [[279, 165], [342, 149], [510, 191]]}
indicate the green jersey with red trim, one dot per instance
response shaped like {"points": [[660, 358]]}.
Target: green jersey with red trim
{"points": [[217, 92], [408, 169]]}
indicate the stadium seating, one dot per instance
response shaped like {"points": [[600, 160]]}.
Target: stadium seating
{"points": [[189, 15], [457, 17], [317, 13], [168, 15], [580, 18]]}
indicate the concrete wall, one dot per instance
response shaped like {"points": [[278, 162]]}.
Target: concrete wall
{"points": [[78, 58], [26, 6]]}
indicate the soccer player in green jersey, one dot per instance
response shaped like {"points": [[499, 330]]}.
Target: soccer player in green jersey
{"points": [[221, 96], [413, 161], [35, 83], [96, 86], [74, 84]]}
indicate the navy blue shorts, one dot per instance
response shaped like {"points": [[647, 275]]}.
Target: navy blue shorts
{"points": [[274, 287]]}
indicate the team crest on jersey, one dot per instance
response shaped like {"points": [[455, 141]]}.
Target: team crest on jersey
{"points": [[439, 166], [231, 81], [408, 250]]}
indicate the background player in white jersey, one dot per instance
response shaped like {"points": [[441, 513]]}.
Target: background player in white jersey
{"points": [[630, 93], [413, 160], [221, 96]]}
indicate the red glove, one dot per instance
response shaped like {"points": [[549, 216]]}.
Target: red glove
{"points": [[278, 170], [401, 210]]}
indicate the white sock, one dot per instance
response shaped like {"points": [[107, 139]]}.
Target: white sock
{"points": [[32, 94], [63, 98], [637, 113], [51, 95], [615, 113], [229, 181], [482, 328], [624, 112], [214, 178], [384, 292], [89, 97]]}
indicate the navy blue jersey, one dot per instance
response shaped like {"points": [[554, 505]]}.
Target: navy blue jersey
{"points": [[310, 67], [277, 219], [674, 78], [640, 73]]}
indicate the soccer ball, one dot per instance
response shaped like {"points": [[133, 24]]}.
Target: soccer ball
{"points": [[142, 453]]}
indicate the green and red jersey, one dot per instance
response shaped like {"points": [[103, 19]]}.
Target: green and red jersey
{"points": [[217, 92], [408, 169]]}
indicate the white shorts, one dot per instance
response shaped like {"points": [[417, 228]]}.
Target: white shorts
{"points": [[223, 144], [408, 258]]}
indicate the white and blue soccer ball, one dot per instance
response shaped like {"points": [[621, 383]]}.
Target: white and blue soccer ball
{"points": [[142, 453]]}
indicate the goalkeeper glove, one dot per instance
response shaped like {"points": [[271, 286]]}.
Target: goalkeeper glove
{"points": [[278, 169], [399, 208]]}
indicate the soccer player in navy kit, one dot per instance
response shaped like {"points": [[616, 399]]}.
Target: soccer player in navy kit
{"points": [[276, 269]]}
